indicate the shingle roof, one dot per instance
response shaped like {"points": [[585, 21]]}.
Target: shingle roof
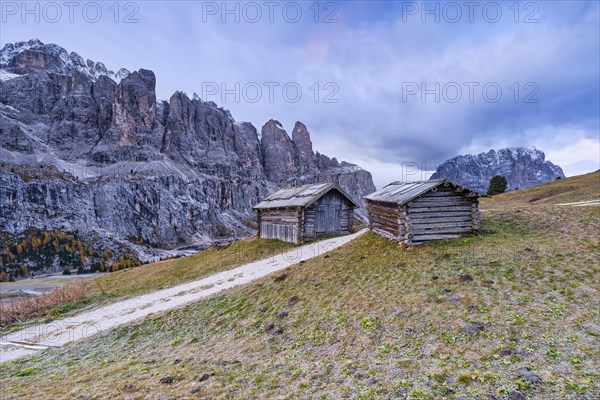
{"points": [[403, 192], [299, 196]]}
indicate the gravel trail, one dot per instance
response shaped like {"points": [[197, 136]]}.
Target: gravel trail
{"points": [[582, 203], [60, 332]]}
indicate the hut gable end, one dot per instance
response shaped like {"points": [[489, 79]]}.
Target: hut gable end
{"points": [[305, 213], [330, 215]]}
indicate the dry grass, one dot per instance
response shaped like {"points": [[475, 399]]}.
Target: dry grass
{"points": [[17, 309], [369, 320], [164, 274], [577, 188], [511, 314], [110, 287]]}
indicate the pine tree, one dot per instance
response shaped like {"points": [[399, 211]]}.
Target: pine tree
{"points": [[497, 185]]}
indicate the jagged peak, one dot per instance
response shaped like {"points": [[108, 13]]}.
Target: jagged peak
{"points": [[299, 125], [274, 122], [275, 127], [514, 152], [23, 44], [522, 166], [521, 149], [62, 61], [300, 129], [301, 137]]}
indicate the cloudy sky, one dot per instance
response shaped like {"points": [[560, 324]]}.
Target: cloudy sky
{"points": [[388, 85]]}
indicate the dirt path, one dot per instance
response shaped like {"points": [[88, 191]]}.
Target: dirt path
{"points": [[88, 323], [582, 203]]}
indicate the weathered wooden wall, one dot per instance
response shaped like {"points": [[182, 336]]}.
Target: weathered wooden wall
{"points": [[283, 224], [383, 219], [347, 219], [443, 214], [403, 224], [332, 214]]}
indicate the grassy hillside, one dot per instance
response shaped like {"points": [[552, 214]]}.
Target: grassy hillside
{"points": [[511, 314], [577, 188], [159, 275]]}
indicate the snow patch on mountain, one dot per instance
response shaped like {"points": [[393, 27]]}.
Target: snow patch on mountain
{"points": [[5, 75], [34, 51], [521, 166]]}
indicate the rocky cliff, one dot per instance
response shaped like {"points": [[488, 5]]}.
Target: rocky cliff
{"points": [[522, 167], [22, 57], [85, 149]]}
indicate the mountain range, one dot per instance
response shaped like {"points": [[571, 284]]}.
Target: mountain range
{"points": [[522, 167], [90, 150], [85, 149]]}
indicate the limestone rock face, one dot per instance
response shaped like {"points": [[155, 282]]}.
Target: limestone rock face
{"points": [[291, 162], [522, 167], [33, 55], [168, 210], [134, 108], [103, 92], [208, 139], [301, 138], [36, 92], [73, 126], [85, 149], [279, 153]]}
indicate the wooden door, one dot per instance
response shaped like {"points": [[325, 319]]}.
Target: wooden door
{"points": [[328, 219]]}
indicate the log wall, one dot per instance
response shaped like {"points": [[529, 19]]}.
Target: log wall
{"points": [[383, 219], [403, 224], [443, 214]]}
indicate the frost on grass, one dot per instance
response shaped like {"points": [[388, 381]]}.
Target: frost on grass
{"points": [[368, 322]]}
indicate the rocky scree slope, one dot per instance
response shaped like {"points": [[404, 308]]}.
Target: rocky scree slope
{"points": [[85, 149]]}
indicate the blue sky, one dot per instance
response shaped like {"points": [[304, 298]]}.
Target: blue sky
{"points": [[387, 85]]}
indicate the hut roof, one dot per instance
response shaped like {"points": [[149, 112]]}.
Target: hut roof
{"points": [[404, 192], [299, 196]]}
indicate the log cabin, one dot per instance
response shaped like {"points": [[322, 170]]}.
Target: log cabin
{"points": [[305, 213], [416, 212]]}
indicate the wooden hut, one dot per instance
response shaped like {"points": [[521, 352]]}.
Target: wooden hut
{"points": [[305, 213], [415, 212]]}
